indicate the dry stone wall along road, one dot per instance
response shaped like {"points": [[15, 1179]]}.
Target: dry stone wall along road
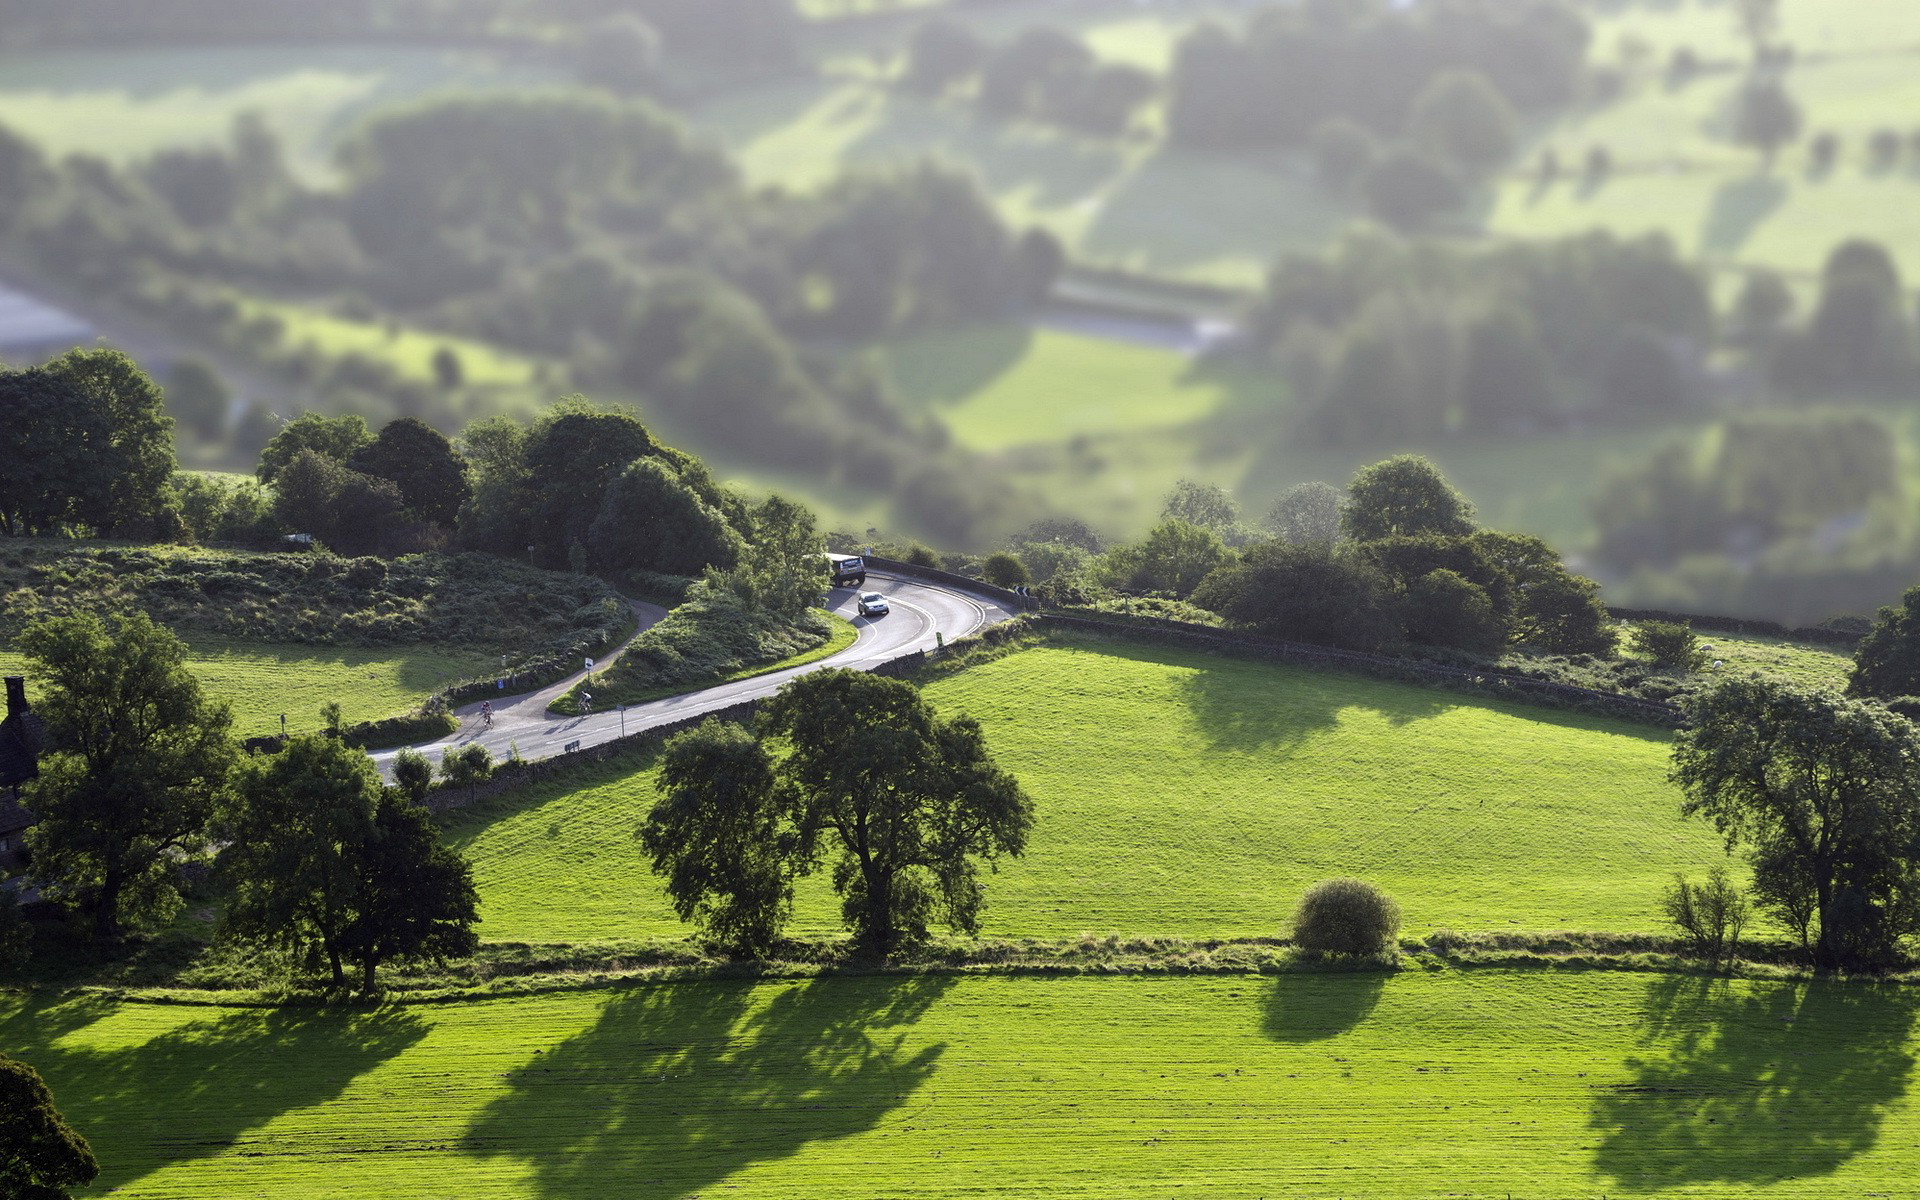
{"points": [[923, 614]]}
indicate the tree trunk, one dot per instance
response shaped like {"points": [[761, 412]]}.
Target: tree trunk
{"points": [[333, 960], [367, 966], [1823, 954], [106, 914]]}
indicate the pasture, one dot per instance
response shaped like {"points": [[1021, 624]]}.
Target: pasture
{"points": [[409, 350], [1187, 795], [262, 680], [1480, 1083], [127, 103]]}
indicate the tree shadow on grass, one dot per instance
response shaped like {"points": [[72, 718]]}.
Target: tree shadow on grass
{"points": [[1312, 1008], [1235, 711], [677, 1087], [196, 1090], [1755, 1083], [1739, 208]]}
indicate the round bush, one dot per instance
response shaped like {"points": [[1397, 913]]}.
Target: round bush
{"points": [[1346, 916]]}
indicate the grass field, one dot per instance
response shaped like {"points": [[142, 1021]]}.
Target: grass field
{"points": [[127, 103], [262, 681], [408, 349], [1474, 1084], [1808, 666], [1144, 762]]}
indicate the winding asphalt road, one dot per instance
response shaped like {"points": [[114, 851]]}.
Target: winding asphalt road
{"points": [[922, 614]]}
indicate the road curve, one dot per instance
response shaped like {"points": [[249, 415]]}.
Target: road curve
{"points": [[923, 613]]}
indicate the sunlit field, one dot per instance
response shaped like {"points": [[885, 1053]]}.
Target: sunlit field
{"points": [[1476, 1084], [1145, 763]]}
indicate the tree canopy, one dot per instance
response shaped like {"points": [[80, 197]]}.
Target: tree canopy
{"points": [[905, 804], [1824, 794], [137, 758], [40, 1154], [1406, 494]]}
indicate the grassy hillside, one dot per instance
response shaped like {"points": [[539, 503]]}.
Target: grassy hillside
{"points": [[1183, 794], [1482, 1084], [261, 680], [127, 103]]}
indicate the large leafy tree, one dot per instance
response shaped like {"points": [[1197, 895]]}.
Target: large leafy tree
{"points": [[1174, 557], [1824, 792], [138, 758], [324, 861], [336, 438], [1405, 495], [418, 459], [652, 520], [904, 804], [40, 1154], [87, 444], [1887, 662], [724, 836], [1313, 592]]}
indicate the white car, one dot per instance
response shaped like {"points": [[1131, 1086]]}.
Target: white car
{"points": [[873, 604]]}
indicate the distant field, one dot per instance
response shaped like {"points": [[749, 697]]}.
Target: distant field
{"points": [[262, 681], [1002, 386], [1808, 666], [126, 104], [408, 349], [1471, 1084], [1144, 762]]}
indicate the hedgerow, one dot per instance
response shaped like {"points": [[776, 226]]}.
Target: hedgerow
{"points": [[316, 599]]}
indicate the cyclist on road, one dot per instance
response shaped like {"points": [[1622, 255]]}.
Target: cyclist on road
{"points": [[486, 713], [586, 703]]}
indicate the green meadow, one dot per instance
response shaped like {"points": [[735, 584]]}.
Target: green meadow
{"points": [[125, 104], [408, 349], [1187, 795], [261, 680], [1485, 1083]]}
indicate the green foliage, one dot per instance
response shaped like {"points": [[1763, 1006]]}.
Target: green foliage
{"points": [[1446, 609], [1346, 916], [463, 600], [652, 520], [412, 776], [782, 572], [1004, 570], [1408, 189], [40, 1154], [417, 459], [1774, 480], [721, 836], [1825, 795], [467, 767], [1668, 645], [1174, 557], [334, 438], [1204, 504], [1508, 383], [1887, 663], [1710, 915], [1308, 512], [1310, 592], [88, 449], [137, 758], [1766, 117], [1860, 333], [218, 509], [323, 859], [1464, 119], [711, 636], [911, 803], [1343, 151], [1405, 495]]}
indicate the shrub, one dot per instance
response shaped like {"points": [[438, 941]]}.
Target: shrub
{"points": [[469, 766], [921, 556], [1346, 916], [1004, 570], [1669, 646], [1709, 916]]}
